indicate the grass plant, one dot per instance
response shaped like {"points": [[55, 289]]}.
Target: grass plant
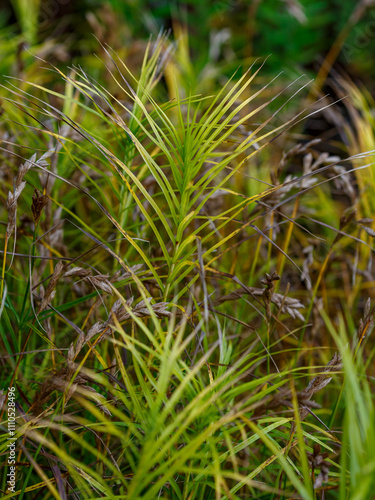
{"points": [[186, 292]]}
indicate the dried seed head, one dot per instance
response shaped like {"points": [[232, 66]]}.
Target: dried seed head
{"points": [[19, 185], [2, 399], [365, 220], [160, 309], [100, 281], [112, 371], [61, 381], [296, 150], [79, 272], [369, 231], [308, 261], [120, 311], [38, 204], [366, 323], [270, 278], [94, 330], [288, 305], [71, 354], [140, 310], [317, 461], [83, 339], [284, 395], [50, 292], [12, 208], [318, 383], [119, 276], [367, 307], [24, 168]]}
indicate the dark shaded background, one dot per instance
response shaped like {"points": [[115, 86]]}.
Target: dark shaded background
{"points": [[297, 34]]}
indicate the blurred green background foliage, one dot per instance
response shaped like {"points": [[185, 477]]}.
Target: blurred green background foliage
{"points": [[297, 35]]}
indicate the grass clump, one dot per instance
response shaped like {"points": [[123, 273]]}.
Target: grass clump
{"points": [[182, 292]]}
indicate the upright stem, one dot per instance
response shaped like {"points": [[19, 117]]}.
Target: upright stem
{"points": [[3, 269]]}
